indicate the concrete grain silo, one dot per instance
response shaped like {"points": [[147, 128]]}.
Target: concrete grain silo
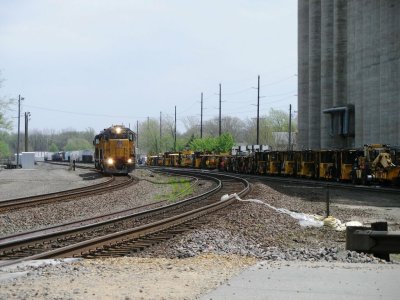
{"points": [[303, 70], [348, 73]]}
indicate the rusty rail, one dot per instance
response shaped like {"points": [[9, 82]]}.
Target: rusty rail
{"points": [[132, 235]]}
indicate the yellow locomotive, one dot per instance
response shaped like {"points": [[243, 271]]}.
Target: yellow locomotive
{"points": [[115, 150]]}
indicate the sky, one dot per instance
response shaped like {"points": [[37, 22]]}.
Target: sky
{"points": [[82, 64]]}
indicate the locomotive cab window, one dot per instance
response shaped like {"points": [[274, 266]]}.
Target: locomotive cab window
{"points": [[118, 136]]}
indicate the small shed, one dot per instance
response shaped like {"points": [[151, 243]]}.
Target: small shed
{"points": [[28, 160]]}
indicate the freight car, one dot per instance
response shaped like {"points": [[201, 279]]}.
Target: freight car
{"points": [[58, 156], [115, 150], [378, 164], [86, 156]]}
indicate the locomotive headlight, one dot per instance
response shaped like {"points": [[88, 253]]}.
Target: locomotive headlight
{"points": [[110, 161], [129, 160]]}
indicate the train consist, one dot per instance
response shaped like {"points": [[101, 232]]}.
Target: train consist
{"points": [[115, 150], [372, 164], [81, 156]]}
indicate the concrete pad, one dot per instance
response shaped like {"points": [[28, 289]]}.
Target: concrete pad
{"points": [[303, 280]]}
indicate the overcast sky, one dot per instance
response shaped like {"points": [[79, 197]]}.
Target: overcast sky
{"points": [[81, 63]]}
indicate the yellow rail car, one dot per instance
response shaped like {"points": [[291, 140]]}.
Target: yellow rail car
{"points": [[186, 159], [306, 164], [376, 164], [326, 164], [274, 162], [346, 160], [115, 150], [261, 162], [289, 163], [373, 163]]}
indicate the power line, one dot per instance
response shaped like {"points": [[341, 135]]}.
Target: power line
{"points": [[82, 113]]}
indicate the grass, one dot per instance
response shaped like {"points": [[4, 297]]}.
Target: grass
{"points": [[180, 188]]}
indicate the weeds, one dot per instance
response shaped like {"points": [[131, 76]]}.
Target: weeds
{"points": [[180, 188]]}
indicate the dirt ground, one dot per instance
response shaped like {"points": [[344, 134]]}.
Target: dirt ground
{"points": [[126, 278], [222, 248]]}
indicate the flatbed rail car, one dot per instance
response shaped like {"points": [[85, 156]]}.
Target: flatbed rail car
{"points": [[115, 150], [378, 164]]}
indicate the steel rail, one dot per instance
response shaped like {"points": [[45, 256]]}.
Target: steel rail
{"points": [[65, 194], [100, 243], [24, 238], [324, 183], [103, 219], [117, 237], [15, 244], [77, 165]]}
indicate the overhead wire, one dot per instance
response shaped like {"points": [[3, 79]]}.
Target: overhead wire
{"points": [[80, 113], [228, 100]]}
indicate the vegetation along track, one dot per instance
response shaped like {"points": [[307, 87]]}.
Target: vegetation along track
{"points": [[111, 184], [129, 233]]}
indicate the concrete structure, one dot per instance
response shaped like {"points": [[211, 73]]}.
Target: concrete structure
{"points": [[28, 160], [316, 280], [349, 73]]}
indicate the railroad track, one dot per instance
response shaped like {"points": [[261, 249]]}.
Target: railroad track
{"points": [[104, 219], [128, 233], [355, 194], [87, 166], [112, 183]]}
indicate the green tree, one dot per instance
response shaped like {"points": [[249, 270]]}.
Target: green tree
{"points": [[5, 123], [220, 144], [77, 144], [149, 136], [206, 144], [53, 148], [275, 121], [4, 150], [88, 134], [225, 143]]}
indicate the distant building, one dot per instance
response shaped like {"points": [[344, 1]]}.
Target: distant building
{"points": [[348, 73]]}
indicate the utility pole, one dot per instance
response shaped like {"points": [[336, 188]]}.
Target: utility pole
{"points": [[258, 111], [175, 131], [219, 109], [290, 126], [137, 134], [27, 115], [201, 117], [160, 132], [19, 121], [148, 132]]}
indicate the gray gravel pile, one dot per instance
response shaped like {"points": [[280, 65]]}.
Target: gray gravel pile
{"points": [[253, 229], [223, 243]]}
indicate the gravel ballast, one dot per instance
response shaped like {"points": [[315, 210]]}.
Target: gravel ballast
{"points": [[197, 261], [149, 190]]}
